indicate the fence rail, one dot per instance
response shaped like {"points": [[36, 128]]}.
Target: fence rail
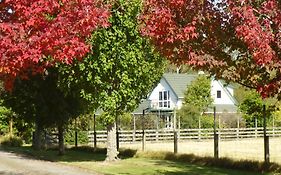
{"points": [[126, 136]]}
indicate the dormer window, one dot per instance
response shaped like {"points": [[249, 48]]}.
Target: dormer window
{"points": [[164, 99], [218, 94]]}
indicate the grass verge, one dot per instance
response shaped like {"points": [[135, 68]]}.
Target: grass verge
{"points": [[149, 162]]}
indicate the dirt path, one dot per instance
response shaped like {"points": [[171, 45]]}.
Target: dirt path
{"points": [[12, 164]]}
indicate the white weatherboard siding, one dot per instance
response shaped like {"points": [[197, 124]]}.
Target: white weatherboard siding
{"points": [[179, 103], [225, 96], [154, 96]]}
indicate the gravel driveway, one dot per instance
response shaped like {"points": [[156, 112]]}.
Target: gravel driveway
{"points": [[12, 164]]}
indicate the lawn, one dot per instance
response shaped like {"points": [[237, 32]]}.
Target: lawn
{"points": [[129, 166], [141, 166], [242, 149]]}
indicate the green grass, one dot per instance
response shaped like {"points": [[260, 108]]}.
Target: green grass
{"points": [[142, 166], [93, 160]]}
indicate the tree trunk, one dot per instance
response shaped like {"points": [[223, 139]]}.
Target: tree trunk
{"points": [[36, 141], [61, 139], [11, 127], [112, 152]]}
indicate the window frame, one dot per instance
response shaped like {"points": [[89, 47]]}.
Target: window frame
{"points": [[164, 99], [219, 94]]}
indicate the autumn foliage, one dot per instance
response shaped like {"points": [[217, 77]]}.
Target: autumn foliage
{"points": [[35, 34], [237, 40]]}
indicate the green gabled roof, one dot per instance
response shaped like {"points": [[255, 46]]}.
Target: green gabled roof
{"points": [[179, 82], [144, 104]]}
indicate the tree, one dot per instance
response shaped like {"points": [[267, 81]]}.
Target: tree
{"points": [[121, 71], [174, 68], [236, 41], [197, 98], [39, 100], [252, 108], [34, 35]]}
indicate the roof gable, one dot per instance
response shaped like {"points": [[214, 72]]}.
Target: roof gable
{"points": [[227, 92], [179, 82]]}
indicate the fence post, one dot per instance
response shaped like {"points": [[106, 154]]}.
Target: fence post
{"points": [[179, 127], [117, 132], [143, 140], [117, 138], [143, 133], [266, 138], [199, 126], [76, 134], [216, 137], [95, 133], [216, 146], [238, 127], [76, 139], [256, 127], [134, 131], [273, 126], [157, 128], [175, 142]]}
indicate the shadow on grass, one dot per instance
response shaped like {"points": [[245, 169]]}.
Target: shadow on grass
{"points": [[71, 155], [79, 154], [193, 169]]}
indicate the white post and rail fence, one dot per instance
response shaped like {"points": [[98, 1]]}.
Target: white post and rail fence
{"points": [[164, 135]]}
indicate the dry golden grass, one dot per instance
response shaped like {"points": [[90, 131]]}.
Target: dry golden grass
{"points": [[243, 149]]}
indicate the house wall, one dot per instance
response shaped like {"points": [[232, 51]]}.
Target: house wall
{"points": [[154, 96], [225, 99], [179, 103]]}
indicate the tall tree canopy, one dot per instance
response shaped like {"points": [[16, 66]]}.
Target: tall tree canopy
{"points": [[237, 40], [121, 70], [35, 34]]}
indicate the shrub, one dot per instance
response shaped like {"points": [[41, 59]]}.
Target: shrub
{"points": [[127, 152], [82, 137], [12, 141]]}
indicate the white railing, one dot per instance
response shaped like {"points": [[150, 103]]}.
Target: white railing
{"points": [[184, 134]]}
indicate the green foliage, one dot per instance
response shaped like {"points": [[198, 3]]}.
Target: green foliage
{"points": [[173, 68], [20, 127], [12, 141], [252, 108], [196, 100], [207, 121], [198, 93], [277, 115], [189, 116], [125, 121], [39, 99], [82, 137], [80, 124], [148, 121], [5, 115], [122, 68]]}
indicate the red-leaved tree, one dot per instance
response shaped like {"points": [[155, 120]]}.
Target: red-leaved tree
{"points": [[237, 40], [35, 34]]}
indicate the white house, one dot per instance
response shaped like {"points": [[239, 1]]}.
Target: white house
{"points": [[168, 95]]}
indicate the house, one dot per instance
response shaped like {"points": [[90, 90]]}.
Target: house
{"points": [[168, 95]]}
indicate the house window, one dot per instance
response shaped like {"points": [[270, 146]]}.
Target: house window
{"points": [[164, 99], [218, 94]]}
